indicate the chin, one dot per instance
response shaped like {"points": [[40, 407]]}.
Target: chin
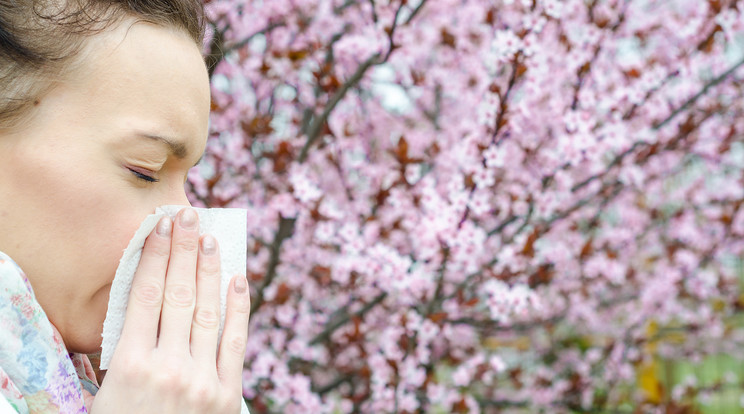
{"points": [[86, 344], [85, 337]]}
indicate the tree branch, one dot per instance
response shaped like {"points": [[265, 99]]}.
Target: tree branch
{"points": [[313, 131], [697, 96], [503, 99], [619, 158], [218, 50], [285, 230], [326, 334], [238, 45]]}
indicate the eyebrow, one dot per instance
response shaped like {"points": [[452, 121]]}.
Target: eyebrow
{"points": [[176, 148]]}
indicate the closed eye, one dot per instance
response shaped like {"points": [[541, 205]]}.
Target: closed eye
{"points": [[142, 175]]}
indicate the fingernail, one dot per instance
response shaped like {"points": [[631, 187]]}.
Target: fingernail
{"points": [[164, 227], [188, 219], [208, 244], [241, 284]]}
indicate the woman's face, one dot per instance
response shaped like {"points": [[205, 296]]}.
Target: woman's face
{"points": [[99, 153]]}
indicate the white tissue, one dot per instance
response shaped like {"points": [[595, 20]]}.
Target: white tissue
{"points": [[227, 225]]}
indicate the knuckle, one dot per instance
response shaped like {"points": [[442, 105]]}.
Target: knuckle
{"points": [[207, 318], [148, 293], [171, 379], [169, 382], [203, 394], [230, 401], [187, 244], [129, 368], [209, 268], [236, 344], [158, 249], [180, 295]]}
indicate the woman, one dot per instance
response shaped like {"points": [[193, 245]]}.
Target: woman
{"points": [[104, 107]]}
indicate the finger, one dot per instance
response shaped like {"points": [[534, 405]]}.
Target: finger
{"points": [[146, 297], [206, 323], [234, 335], [180, 283]]}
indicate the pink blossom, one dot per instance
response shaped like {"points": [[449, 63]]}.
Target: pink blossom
{"points": [[444, 195]]}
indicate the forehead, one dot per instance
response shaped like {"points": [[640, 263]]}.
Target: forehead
{"points": [[139, 76]]}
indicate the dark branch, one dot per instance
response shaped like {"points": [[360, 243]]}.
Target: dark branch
{"points": [[331, 328], [285, 230], [316, 125], [697, 96], [313, 131]]}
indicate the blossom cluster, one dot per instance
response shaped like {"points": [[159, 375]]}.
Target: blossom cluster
{"points": [[479, 205]]}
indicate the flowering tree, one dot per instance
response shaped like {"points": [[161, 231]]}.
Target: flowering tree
{"points": [[480, 205]]}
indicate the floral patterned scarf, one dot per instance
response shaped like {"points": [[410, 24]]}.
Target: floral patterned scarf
{"points": [[37, 374]]}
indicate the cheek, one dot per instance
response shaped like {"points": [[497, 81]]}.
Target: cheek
{"points": [[81, 214], [72, 221], [104, 233]]}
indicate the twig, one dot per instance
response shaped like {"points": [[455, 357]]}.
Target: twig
{"points": [[415, 11], [697, 96], [307, 113], [391, 41], [240, 44], [619, 158], [285, 230], [313, 131], [328, 331], [218, 50], [503, 99]]}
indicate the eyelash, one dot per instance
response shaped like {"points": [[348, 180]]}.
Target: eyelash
{"points": [[143, 177]]}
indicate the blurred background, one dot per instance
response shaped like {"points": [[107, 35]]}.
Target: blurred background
{"points": [[484, 206]]}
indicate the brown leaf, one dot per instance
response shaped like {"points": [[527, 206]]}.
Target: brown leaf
{"points": [[587, 250], [529, 249], [322, 274], [633, 73], [255, 277], [688, 126], [542, 276], [521, 69], [602, 22], [438, 317], [260, 125], [448, 39], [491, 16], [213, 106], [707, 45], [283, 293], [460, 406], [715, 6], [470, 303], [417, 77], [295, 55], [401, 150]]}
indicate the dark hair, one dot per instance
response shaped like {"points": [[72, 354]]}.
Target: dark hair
{"points": [[39, 40]]}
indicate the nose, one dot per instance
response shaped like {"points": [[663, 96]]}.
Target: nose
{"points": [[177, 196]]}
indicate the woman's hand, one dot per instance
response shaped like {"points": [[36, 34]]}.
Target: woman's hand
{"points": [[167, 359]]}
